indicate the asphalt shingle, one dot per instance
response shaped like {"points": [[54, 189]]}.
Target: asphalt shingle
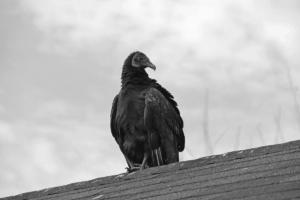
{"points": [[269, 172]]}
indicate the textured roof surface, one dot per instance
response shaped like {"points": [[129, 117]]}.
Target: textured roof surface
{"points": [[271, 172]]}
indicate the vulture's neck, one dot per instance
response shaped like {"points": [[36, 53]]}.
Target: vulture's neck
{"points": [[134, 77]]}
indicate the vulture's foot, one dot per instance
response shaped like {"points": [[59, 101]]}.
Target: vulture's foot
{"points": [[133, 168]]}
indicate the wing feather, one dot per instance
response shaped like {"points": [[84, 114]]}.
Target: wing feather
{"points": [[161, 117], [113, 125]]}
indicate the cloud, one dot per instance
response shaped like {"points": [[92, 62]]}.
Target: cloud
{"points": [[205, 26], [211, 40], [2, 109], [44, 156], [52, 109], [50, 149], [7, 134], [137, 23]]}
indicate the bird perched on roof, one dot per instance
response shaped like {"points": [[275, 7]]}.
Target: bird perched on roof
{"points": [[145, 120]]}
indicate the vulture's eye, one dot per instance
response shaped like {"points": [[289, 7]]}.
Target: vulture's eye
{"points": [[139, 58]]}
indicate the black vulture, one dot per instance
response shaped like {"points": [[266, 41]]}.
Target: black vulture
{"points": [[145, 120]]}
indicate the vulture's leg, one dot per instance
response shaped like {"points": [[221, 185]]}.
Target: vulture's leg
{"points": [[157, 157], [160, 156], [143, 166]]}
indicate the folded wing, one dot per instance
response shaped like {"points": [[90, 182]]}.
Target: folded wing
{"points": [[164, 125]]}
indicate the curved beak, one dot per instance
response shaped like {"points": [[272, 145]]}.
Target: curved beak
{"points": [[150, 65]]}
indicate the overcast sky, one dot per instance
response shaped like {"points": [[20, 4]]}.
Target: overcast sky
{"points": [[60, 67]]}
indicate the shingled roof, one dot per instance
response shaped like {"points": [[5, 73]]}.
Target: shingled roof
{"points": [[270, 172]]}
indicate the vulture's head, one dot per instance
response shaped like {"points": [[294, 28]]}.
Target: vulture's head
{"points": [[139, 60]]}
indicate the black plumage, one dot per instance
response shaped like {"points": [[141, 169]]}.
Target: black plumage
{"points": [[145, 120]]}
